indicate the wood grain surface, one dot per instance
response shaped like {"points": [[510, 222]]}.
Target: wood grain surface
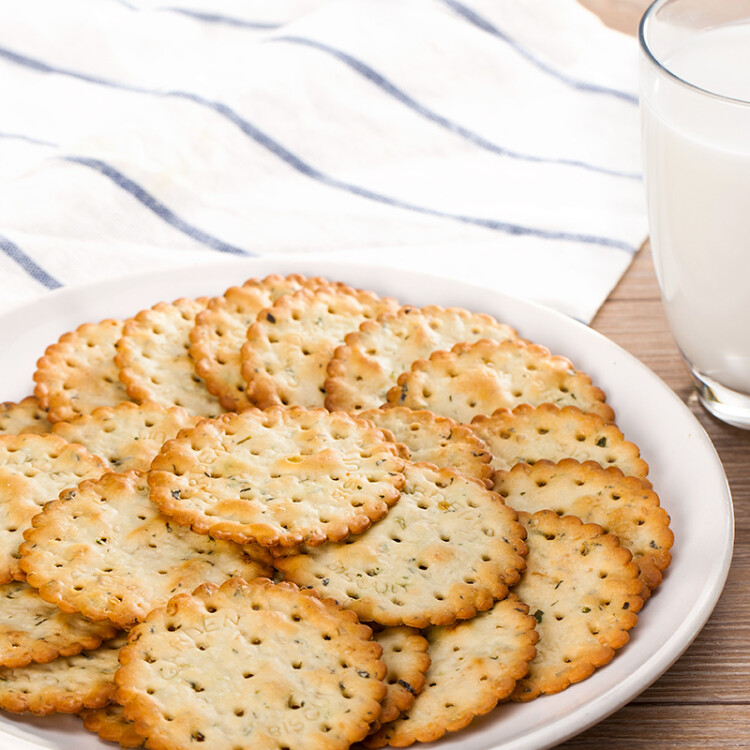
{"points": [[703, 701]]}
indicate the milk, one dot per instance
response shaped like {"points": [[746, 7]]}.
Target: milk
{"points": [[697, 157]]}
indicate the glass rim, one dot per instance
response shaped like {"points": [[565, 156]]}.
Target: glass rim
{"points": [[662, 68]]}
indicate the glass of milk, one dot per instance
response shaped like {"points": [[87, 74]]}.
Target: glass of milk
{"points": [[695, 104]]}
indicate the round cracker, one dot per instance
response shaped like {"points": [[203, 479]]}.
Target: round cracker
{"points": [[221, 330], [278, 477], [103, 549], [257, 664], [79, 373], [129, 435], [66, 685], [289, 346], [582, 589], [475, 665], [110, 724], [368, 364], [32, 630], [527, 434], [445, 551], [25, 417], [34, 469], [620, 505], [435, 440], [405, 657], [154, 361], [482, 377]]}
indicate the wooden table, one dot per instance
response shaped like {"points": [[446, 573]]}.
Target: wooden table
{"points": [[703, 701]]}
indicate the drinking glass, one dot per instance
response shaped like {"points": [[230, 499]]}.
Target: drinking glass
{"points": [[695, 105]]}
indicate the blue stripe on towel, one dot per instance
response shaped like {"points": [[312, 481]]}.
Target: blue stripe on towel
{"points": [[28, 139], [32, 269], [208, 17], [42, 67], [217, 18], [385, 85], [156, 206], [299, 165], [482, 23]]}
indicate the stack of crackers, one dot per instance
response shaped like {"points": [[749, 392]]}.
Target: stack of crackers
{"points": [[301, 516]]}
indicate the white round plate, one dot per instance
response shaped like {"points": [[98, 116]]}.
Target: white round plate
{"points": [[685, 471]]}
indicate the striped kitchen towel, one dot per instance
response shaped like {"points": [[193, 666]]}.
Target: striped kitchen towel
{"points": [[495, 141]]}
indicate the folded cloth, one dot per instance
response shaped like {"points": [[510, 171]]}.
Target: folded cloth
{"points": [[495, 142]]}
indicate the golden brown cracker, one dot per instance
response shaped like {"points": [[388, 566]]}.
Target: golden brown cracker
{"points": [[435, 440], [32, 630], [129, 435], [221, 330], [405, 657], [368, 364], [445, 551], [528, 433], [34, 469], [154, 361], [78, 373], [103, 549], [620, 505], [66, 685], [256, 664], [110, 724], [482, 377], [288, 348], [25, 417], [278, 477], [474, 665], [582, 589]]}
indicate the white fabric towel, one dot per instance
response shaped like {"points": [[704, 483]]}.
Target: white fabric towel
{"points": [[494, 142]]}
